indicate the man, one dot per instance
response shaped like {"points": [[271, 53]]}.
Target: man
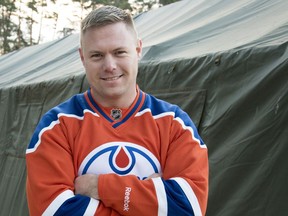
{"points": [[115, 150]]}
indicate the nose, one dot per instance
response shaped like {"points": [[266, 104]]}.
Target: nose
{"points": [[109, 63]]}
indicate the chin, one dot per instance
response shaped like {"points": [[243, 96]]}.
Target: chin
{"points": [[115, 93]]}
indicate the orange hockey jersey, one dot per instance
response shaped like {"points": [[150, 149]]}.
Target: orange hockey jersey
{"points": [[152, 136]]}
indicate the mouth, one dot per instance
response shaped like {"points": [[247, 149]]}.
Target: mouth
{"points": [[112, 78]]}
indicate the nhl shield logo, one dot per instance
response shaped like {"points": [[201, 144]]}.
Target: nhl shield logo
{"points": [[116, 114]]}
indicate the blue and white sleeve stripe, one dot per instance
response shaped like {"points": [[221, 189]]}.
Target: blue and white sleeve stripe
{"points": [[176, 197], [67, 203]]}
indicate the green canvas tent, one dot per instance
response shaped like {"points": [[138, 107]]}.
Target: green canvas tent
{"points": [[224, 62]]}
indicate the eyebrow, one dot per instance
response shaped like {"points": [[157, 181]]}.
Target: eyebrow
{"points": [[121, 48], [116, 49]]}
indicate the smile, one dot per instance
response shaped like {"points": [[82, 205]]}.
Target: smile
{"points": [[112, 78]]}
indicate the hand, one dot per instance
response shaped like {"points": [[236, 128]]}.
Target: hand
{"points": [[87, 185]]}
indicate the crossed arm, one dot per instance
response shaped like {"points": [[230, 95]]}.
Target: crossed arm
{"points": [[87, 185]]}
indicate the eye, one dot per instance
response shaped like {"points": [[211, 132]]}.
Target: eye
{"points": [[96, 55], [120, 53]]}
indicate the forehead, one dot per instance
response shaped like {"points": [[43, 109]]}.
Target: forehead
{"points": [[109, 34]]}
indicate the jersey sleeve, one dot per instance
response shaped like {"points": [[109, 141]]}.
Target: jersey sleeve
{"points": [[51, 174], [183, 187], [186, 171]]}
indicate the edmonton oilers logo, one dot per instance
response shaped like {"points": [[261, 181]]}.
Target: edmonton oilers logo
{"points": [[122, 158]]}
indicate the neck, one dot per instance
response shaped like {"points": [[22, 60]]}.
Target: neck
{"points": [[116, 101]]}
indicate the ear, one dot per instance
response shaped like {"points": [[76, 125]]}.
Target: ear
{"points": [[139, 48], [81, 55]]}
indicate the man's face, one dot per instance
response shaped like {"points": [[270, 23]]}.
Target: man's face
{"points": [[110, 56]]}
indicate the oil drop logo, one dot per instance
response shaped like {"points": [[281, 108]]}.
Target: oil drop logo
{"points": [[122, 158]]}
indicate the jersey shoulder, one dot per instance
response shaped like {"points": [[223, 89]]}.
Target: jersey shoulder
{"points": [[162, 107], [73, 107]]}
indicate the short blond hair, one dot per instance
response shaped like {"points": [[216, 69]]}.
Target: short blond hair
{"points": [[106, 15]]}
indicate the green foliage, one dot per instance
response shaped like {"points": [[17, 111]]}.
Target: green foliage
{"points": [[145, 5], [166, 2], [11, 36], [33, 5], [92, 4]]}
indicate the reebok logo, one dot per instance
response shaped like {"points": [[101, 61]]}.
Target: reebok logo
{"points": [[127, 198]]}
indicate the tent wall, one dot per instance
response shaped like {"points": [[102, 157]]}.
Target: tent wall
{"points": [[230, 79], [239, 101], [21, 108]]}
